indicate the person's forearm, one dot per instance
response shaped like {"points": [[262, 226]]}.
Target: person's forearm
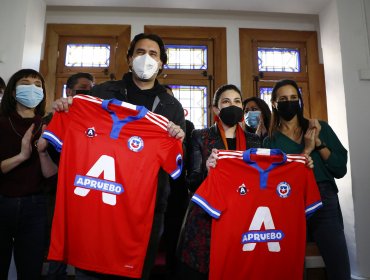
{"points": [[48, 167], [9, 164]]}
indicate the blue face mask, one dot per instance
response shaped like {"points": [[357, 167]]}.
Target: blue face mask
{"points": [[29, 95], [252, 118]]}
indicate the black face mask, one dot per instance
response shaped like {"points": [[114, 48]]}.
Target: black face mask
{"points": [[288, 109], [231, 115]]}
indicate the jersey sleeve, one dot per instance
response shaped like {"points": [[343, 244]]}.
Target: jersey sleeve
{"points": [[312, 194], [56, 129], [171, 156], [209, 195]]}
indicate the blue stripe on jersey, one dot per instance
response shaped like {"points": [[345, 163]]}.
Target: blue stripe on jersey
{"points": [[54, 140], [117, 123], [263, 172], [205, 206], [310, 209]]}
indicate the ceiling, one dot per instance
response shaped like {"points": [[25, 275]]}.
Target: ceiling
{"points": [[276, 6]]}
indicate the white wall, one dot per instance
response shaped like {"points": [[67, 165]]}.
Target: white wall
{"points": [[22, 29], [345, 52]]}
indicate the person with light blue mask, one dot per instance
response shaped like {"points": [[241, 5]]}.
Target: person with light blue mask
{"points": [[25, 169], [257, 116]]}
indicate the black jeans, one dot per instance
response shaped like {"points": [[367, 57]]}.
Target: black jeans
{"points": [[325, 227], [23, 229], [57, 271]]}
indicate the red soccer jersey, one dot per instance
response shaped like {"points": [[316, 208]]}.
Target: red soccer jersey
{"points": [[107, 183], [259, 199]]}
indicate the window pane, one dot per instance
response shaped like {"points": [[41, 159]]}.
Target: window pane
{"points": [[194, 101], [186, 57], [87, 55], [278, 60]]}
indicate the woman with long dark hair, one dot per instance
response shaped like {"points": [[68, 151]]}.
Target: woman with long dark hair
{"points": [[292, 133]]}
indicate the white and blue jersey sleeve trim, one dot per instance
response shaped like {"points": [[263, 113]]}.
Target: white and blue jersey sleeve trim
{"points": [[313, 208], [53, 139], [177, 172], [206, 207]]}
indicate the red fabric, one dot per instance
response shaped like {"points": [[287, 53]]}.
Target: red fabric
{"points": [[105, 226], [247, 201]]}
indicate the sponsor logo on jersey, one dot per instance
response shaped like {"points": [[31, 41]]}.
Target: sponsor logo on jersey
{"points": [[98, 184], [242, 189], [262, 236], [135, 143], [283, 189], [104, 166], [262, 230], [90, 132]]}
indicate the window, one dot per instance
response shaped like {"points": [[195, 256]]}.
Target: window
{"points": [[192, 71], [194, 102], [72, 48], [267, 56], [190, 57], [87, 55], [278, 60]]}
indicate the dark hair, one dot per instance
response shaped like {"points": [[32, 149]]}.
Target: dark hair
{"points": [[264, 108], [153, 37], [275, 118], [2, 83], [8, 103], [73, 79], [221, 90]]}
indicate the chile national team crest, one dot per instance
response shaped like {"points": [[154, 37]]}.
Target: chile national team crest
{"points": [[283, 189], [135, 143]]}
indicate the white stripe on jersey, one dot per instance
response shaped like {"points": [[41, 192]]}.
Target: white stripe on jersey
{"points": [[88, 98], [160, 118], [199, 200], [230, 154], [314, 207], [52, 136], [296, 158], [157, 119]]}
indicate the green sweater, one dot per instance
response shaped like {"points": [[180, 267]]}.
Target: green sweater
{"points": [[325, 171]]}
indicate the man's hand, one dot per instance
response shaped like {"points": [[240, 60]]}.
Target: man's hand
{"points": [[62, 104], [175, 131]]}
